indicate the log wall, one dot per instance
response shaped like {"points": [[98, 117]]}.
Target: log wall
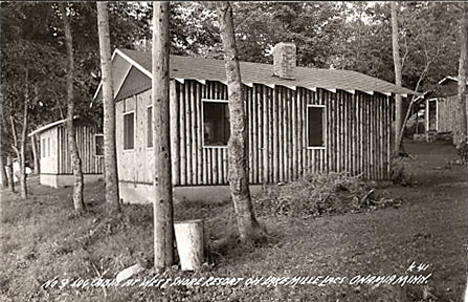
{"points": [[446, 113], [357, 135], [91, 163]]}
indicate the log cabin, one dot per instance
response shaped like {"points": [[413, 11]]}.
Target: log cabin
{"points": [[441, 107], [55, 156], [300, 120]]}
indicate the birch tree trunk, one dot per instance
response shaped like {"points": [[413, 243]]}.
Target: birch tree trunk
{"points": [[36, 157], [397, 67], [162, 183], [22, 149], [19, 145], [110, 153], [462, 135], [2, 152], [78, 201], [237, 145]]}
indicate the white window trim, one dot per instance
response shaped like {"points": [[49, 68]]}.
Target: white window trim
{"points": [[203, 119], [152, 120], [48, 147], [43, 148], [134, 130], [324, 125], [95, 135]]}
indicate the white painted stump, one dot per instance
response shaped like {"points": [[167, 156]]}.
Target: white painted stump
{"points": [[189, 240]]}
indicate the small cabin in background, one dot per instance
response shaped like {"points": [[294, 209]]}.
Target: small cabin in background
{"points": [[300, 120], [440, 108], [55, 160]]}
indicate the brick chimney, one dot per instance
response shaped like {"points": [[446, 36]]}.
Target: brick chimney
{"points": [[284, 61]]}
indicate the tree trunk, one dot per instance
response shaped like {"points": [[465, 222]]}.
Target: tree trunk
{"points": [[9, 171], [22, 149], [237, 145], [19, 144], [78, 201], [2, 152], [4, 174], [36, 156], [163, 207], [190, 244], [397, 66], [462, 133], [110, 153]]}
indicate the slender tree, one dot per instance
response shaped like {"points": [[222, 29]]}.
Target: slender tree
{"points": [[36, 158], [78, 201], [9, 172], [162, 183], [237, 144], [110, 153], [397, 67], [462, 65], [4, 176], [19, 143]]}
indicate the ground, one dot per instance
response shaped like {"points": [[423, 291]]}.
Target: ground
{"points": [[43, 239]]}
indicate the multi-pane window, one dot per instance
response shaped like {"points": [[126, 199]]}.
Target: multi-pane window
{"points": [[315, 126], [215, 123], [129, 130]]}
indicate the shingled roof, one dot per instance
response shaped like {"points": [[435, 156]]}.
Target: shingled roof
{"points": [[213, 70]]}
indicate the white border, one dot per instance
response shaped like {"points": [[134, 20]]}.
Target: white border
{"points": [[203, 125], [324, 125]]}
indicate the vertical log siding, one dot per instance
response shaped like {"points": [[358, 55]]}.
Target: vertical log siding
{"points": [[91, 163], [356, 135]]}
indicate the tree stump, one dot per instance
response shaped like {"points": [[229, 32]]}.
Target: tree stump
{"points": [[190, 244]]}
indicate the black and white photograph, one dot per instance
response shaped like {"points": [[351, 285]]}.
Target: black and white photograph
{"points": [[234, 151]]}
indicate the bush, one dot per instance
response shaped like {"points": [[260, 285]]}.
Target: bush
{"points": [[399, 173], [462, 151], [320, 194]]}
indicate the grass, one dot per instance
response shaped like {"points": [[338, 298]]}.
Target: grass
{"points": [[42, 239]]}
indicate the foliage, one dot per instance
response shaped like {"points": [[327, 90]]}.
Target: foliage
{"points": [[462, 151], [321, 194], [400, 174]]}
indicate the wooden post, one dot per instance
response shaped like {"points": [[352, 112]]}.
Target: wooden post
{"points": [[162, 183], [190, 244], [426, 113]]}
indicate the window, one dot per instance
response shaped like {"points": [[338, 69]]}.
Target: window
{"points": [[215, 123], [315, 126], [129, 130], [48, 146], [99, 144], [149, 125], [43, 147]]}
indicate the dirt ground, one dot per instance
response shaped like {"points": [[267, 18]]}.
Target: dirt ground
{"points": [[43, 239]]}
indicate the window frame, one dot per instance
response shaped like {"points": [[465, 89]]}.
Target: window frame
{"points": [[324, 124], [152, 121], [95, 144], [48, 147], [134, 130], [43, 147], [222, 101]]}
